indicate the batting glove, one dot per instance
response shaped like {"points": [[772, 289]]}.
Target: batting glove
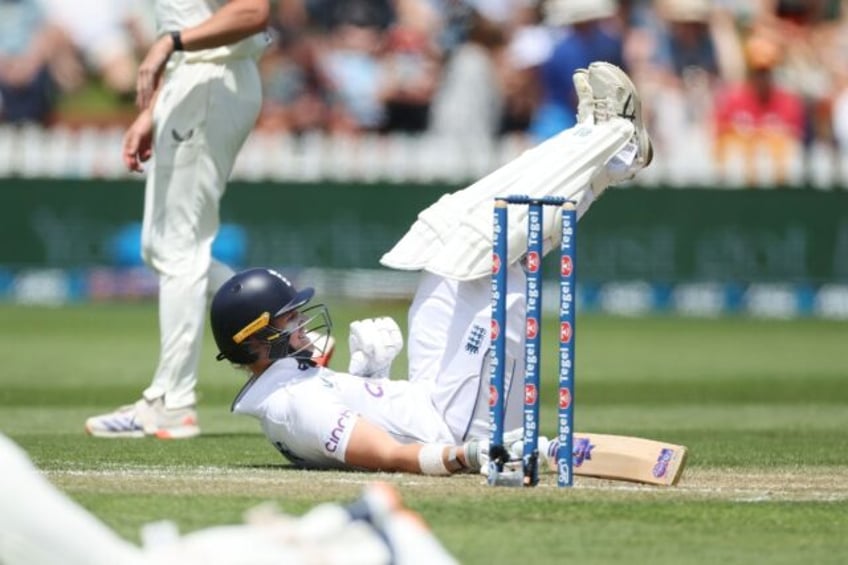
{"points": [[514, 444], [374, 344]]}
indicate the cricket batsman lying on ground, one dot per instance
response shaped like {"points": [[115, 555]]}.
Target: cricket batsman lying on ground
{"points": [[434, 422]]}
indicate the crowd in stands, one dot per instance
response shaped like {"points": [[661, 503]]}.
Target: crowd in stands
{"points": [[735, 76]]}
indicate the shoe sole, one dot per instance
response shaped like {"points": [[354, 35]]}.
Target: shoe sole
{"points": [[113, 435], [186, 432], [621, 77], [580, 78]]}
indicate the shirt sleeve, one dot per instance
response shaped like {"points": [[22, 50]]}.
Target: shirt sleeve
{"points": [[309, 425]]}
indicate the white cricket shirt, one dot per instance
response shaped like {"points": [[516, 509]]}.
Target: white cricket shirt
{"points": [[172, 15], [308, 414]]}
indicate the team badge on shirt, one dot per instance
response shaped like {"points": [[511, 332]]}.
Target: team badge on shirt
{"points": [[475, 339]]}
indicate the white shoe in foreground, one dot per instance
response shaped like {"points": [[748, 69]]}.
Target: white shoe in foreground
{"points": [[615, 95], [145, 418]]}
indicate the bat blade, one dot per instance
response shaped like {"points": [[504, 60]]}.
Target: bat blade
{"points": [[627, 458]]}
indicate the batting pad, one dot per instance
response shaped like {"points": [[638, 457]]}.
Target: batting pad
{"points": [[436, 223], [564, 168]]}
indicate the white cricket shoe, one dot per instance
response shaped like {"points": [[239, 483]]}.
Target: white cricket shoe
{"points": [[145, 418], [615, 95], [585, 99]]}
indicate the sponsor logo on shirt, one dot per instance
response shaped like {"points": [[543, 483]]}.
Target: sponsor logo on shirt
{"points": [[332, 443], [374, 390]]}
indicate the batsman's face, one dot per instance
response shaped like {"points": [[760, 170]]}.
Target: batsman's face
{"points": [[294, 324]]}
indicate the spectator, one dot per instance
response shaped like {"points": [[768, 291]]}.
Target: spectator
{"points": [[352, 70], [590, 33], [469, 102], [410, 68], [100, 32], [530, 45], [805, 30], [27, 91], [838, 59], [326, 15], [680, 53], [758, 117], [293, 93]]}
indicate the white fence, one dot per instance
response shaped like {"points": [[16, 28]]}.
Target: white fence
{"points": [[96, 153]]}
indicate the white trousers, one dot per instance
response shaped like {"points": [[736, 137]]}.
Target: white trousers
{"points": [[41, 526], [202, 117], [449, 347]]}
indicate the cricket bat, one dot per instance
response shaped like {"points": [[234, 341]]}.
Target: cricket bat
{"points": [[626, 458]]}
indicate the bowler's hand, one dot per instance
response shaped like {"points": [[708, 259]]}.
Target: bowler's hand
{"points": [[150, 70], [138, 142]]}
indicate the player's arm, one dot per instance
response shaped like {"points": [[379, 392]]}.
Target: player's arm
{"points": [[372, 448], [138, 139], [233, 22]]}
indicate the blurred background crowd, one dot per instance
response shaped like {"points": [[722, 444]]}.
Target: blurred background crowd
{"points": [[732, 76]]}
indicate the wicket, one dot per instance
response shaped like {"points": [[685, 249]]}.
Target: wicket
{"points": [[499, 455]]}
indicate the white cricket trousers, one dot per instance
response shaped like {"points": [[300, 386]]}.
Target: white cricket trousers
{"points": [[449, 348], [202, 117]]}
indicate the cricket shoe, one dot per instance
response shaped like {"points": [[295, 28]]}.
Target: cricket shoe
{"points": [[615, 95], [145, 418], [585, 98]]}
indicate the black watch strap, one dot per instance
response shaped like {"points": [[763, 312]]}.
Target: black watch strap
{"points": [[177, 38]]}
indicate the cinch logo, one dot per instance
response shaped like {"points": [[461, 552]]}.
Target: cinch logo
{"points": [[566, 266], [496, 329], [332, 444], [532, 328], [530, 394], [493, 395], [496, 263], [374, 390], [582, 451], [564, 332], [663, 460], [533, 262], [564, 398]]}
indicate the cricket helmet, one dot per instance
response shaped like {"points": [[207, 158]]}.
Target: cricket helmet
{"points": [[244, 309]]}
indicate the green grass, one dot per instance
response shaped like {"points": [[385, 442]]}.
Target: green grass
{"points": [[762, 406]]}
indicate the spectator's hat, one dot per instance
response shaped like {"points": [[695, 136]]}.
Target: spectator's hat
{"points": [[685, 11], [568, 12]]}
